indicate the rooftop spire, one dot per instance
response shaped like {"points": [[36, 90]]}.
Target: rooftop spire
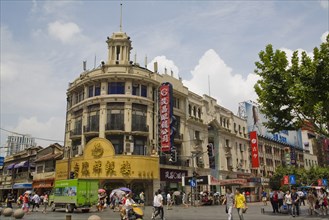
{"points": [[120, 17]]}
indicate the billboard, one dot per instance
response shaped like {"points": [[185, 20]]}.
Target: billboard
{"points": [[165, 111], [255, 120], [254, 149]]}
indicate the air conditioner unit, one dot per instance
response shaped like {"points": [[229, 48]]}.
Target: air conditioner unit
{"points": [[129, 148], [80, 151]]}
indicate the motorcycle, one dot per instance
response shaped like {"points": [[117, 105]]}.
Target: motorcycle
{"points": [[136, 213]]}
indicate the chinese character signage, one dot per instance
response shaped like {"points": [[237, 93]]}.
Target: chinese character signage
{"points": [[292, 156], [254, 149], [165, 111], [171, 175]]}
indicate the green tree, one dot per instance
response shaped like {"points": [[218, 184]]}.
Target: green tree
{"points": [[296, 94]]}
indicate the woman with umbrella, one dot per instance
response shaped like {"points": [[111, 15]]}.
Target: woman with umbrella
{"points": [[26, 201], [101, 199]]}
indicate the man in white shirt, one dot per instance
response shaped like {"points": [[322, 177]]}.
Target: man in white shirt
{"points": [[169, 202], [158, 205]]}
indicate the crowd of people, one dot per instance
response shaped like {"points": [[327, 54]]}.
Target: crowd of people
{"points": [[29, 202], [289, 202]]}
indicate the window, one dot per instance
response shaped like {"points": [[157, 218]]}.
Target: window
{"points": [[139, 90], [143, 91], [139, 114], [93, 118], [90, 91], [97, 90], [115, 116], [116, 88], [80, 96], [176, 102], [199, 113], [117, 141], [197, 135], [139, 146], [189, 110]]}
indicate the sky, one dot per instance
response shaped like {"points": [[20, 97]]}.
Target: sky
{"points": [[211, 45]]}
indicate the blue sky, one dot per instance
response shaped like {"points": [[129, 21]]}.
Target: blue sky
{"points": [[43, 44]]}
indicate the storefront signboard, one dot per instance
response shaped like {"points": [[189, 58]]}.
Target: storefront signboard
{"points": [[171, 175]]}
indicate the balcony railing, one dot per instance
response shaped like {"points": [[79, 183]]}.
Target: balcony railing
{"points": [[136, 127], [114, 126], [76, 132], [91, 128]]}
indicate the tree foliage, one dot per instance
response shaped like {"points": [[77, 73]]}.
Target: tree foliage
{"points": [[303, 177], [296, 94]]}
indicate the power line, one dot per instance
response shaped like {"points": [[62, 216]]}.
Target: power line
{"points": [[37, 138]]}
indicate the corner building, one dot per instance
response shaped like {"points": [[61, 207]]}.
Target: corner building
{"points": [[112, 128]]}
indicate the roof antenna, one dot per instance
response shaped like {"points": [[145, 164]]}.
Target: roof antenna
{"points": [[121, 16]]}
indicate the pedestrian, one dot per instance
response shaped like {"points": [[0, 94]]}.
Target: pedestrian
{"points": [[45, 203], [9, 201], [281, 198], [26, 201], [142, 199], [275, 201], [229, 200], [35, 202], [240, 203], [311, 201], [295, 202], [158, 205], [264, 197], [185, 204], [288, 201], [169, 201], [301, 197]]}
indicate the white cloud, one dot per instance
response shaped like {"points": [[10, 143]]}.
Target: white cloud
{"points": [[324, 36], [164, 63], [228, 88], [65, 32], [42, 129], [290, 52], [324, 4]]}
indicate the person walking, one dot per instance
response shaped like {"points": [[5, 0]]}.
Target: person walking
{"points": [[142, 199], [311, 199], [229, 200], [35, 202], [9, 201], [169, 201], [26, 201], [264, 197], [281, 198], [295, 202], [45, 203], [158, 205], [240, 203], [288, 201], [275, 201]]}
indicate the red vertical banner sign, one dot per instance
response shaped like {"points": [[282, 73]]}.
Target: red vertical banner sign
{"points": [[254, 149], [164, 108], [286, 180], [319, 182]]}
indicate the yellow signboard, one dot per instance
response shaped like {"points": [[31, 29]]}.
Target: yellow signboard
{"points": [[100, 162]]}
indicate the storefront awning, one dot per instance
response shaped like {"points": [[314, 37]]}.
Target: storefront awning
{"points": [[22, 186], [21, 164], [10, 166]]}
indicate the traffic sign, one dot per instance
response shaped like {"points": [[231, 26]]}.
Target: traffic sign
{"points": [[193, 183], [325, 182], [2, 159], [292, 179]]}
